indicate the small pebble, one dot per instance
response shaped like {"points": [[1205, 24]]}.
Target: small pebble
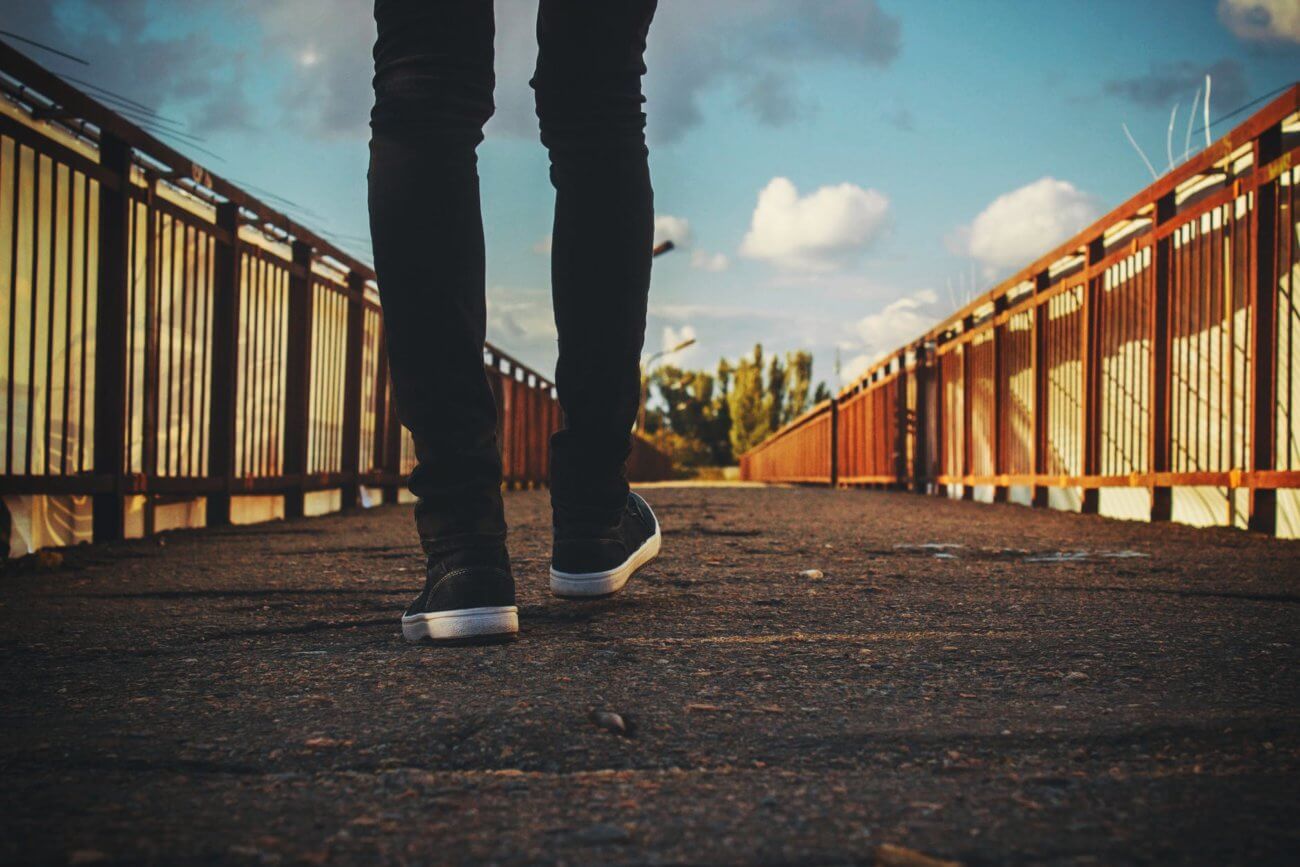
{"points": [[609, 721], [812, 573]]}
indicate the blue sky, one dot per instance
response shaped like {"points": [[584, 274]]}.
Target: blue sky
{"points": [[839, 173]]}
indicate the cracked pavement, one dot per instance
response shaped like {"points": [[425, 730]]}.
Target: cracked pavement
{"points": [[986, 684]]}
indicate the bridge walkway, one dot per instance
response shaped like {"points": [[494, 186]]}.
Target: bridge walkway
{"points": [[979, 683]]}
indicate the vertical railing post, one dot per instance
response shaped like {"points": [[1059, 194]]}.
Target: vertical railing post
{"points": [[149, 397], [900, 421], [225, 359], [383, 413], [835, 442], [940, 419], [967, 412], [392, 435], [1264, 279], [533, 448], [351, 451], [1091, 427], [1160, 446], [108, 515], [297, 380], [492, 364], [1041, 317], [999, 402], [921, 422]]}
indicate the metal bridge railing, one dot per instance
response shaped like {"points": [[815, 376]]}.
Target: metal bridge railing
{"points": [[1158, 348], [166, 336]]}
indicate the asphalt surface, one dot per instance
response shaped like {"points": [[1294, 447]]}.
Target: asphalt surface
{"points": [[244, 696]]}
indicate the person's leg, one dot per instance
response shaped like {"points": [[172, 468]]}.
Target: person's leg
{"points": [[589, 104], [433, 93]]}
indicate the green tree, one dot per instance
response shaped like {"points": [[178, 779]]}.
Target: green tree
{"points": [[695, 411], [706, 419], [776, 392], [751, 409], [722, 451], [798, 366]]}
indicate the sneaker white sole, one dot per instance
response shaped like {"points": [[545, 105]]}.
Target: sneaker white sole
{"points": [[461, 623], [586, 584]]}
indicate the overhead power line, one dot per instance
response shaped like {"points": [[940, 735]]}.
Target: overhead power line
{"points": [[44, 47], [1239, 110]]}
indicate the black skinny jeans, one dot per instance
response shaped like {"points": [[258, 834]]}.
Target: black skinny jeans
{"points": [[433, 93]]}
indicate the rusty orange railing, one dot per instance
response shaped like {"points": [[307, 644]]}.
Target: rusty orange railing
{"points": [[1158, 348], [166, 336], [800, 452]]}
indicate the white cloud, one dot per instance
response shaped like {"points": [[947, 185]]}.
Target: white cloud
{"points": [[726, 312], [817, 232], [521, 322], [712, 262], [314, 55], [900, 321], [876, 335], [328, 89], [1262, 20], [543, 246], [673, 337], [1022, 225], [855, 367], [755, 47], [675, 229], [1169, 82]]}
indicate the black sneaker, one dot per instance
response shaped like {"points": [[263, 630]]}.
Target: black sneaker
{"points": [[469, 596], [590, 560]]}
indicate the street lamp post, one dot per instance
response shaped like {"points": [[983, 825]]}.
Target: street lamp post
{"points": [[659, 250]]}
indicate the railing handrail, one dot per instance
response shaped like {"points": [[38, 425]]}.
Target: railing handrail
{"points": [[69, 103], [794, 424], [224, 349], [1284, 105], [1151, 350]]}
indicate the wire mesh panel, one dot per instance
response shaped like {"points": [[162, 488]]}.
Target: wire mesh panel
{"points": [[510, 423], [259, 400], [1063, 366], [169, 339], [1124, 333], [529, 414], [800, 453], [329, 352], [1016, 393], [408, 461], [1287, 267], [371, 422], [48, 215], [981, 359], [952, 443], [867, 433], [1209, 346]]}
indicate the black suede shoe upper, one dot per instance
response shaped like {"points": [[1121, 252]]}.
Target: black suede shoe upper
{"points": [[476, 577], [584, 546]]}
